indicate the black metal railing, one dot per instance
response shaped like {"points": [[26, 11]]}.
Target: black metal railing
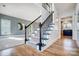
{"points": [[41, 27], [47, 19], [28, 26], [40, 44]]}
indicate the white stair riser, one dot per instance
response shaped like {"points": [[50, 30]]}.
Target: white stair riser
{"points": [[46, 36], [38, 29], [48, 31], [44, 41]]}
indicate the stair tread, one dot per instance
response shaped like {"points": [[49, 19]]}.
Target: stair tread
{"points": [[34, 37], [46, 33], [44, 38], [48, 30], [34, 41]]}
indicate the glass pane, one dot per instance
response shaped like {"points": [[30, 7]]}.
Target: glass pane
{"points": [[5, 27]]}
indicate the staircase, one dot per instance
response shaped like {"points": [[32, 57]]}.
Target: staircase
{"points": [[33, 39], [40, 35]]}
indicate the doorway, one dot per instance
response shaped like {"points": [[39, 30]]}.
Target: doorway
{"points": [[66, 27]]}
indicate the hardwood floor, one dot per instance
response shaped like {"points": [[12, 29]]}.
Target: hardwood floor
{"points": [[62, 47]]}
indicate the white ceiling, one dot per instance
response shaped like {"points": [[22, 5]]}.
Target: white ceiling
{"points": [[65, 8], [30, 11], [27, 11]]}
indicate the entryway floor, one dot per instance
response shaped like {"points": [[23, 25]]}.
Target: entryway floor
{"points": [[11, 41], [62, 47]]}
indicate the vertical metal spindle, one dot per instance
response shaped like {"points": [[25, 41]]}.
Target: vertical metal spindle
{"points": [[25, 35], [40, 41]]}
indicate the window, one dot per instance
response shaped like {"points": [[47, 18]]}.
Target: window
{"points": [[5, 27]]}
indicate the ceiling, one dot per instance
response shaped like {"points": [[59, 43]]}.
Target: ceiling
{"points": [[64, 8], [27, 11], [30, 11]]}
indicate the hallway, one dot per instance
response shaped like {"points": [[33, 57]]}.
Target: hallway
{"points": [[63, 47]]}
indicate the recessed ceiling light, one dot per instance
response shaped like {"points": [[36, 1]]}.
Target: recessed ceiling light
{"points": [[3, 5]]}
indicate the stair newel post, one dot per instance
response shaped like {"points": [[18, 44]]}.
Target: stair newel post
{"points": [[25, 35], [40, 41]]}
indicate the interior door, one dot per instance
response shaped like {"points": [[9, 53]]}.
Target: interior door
{"points": [[5, 27]]}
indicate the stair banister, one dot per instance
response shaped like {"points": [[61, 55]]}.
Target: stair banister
{"points": [[40, 33], [40, 44], [47, 18], [28, 26]]}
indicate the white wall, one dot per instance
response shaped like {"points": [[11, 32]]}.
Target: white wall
{"points": [[75, 18], [66, 14], [74, 26], [43, 12], [57, 21], [27, 11]]}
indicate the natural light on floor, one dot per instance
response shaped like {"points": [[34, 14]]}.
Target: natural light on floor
{"points": [[67, 44], [15, 38]]}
